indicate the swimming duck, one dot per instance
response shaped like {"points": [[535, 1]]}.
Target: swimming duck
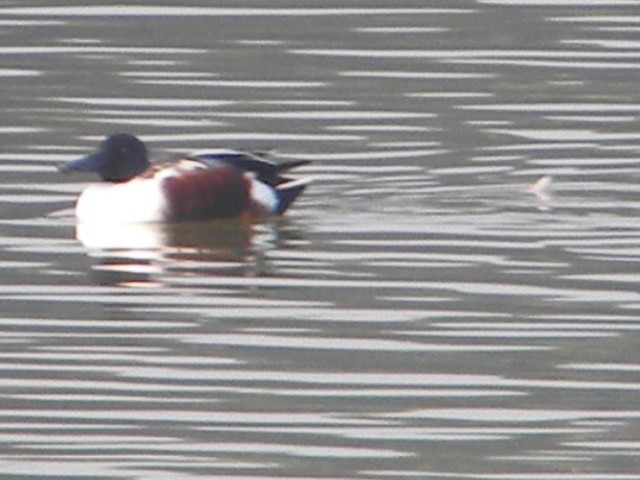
{"points": [[203, 185]]}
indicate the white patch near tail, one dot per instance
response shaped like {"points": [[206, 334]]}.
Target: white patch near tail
{"points": [[263, 198]]}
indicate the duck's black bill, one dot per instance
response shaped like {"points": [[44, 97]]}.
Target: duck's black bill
{"points": [[89, 163]]}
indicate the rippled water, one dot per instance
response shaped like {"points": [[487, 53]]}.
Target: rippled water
{"points": [[416, 315]]}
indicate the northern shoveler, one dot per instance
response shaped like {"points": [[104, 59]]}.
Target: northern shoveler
{"points": [[203, 185]]}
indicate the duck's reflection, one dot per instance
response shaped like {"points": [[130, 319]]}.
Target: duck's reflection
{"points": [[147, 254]]}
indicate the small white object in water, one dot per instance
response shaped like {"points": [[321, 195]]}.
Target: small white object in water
{"points": [[541, 187]]}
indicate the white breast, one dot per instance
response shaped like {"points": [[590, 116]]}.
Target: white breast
{"points": [[136, 201]]}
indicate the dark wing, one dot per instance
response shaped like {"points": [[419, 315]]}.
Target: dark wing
{"points": [[265, 170]]}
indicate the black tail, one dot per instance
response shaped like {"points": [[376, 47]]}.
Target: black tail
{"points": [[288, 192], [265, 170]]}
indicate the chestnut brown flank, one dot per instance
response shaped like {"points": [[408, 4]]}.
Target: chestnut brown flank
{"points": [[221, 192]]}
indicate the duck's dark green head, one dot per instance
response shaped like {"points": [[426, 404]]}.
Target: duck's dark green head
{"points": [[119, 158]]}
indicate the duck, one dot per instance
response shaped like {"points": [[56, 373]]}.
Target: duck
{"points": [[203, 185]]}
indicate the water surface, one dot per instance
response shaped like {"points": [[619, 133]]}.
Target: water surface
{"points": [[415, 315]]}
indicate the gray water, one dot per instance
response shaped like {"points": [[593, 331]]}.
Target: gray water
{"points": [[415, 315]]}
